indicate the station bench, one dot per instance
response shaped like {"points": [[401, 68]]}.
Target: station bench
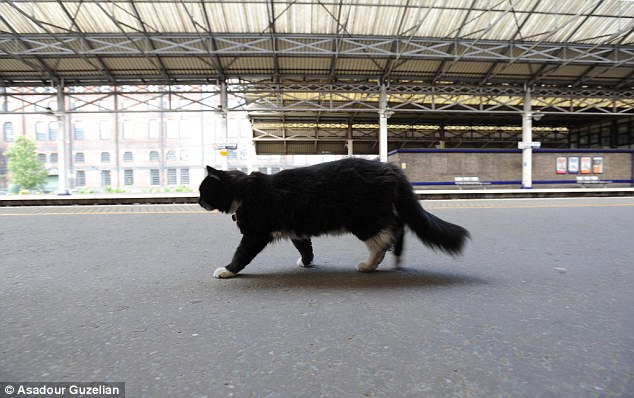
{"points": [[470, 181], [591, 181]]}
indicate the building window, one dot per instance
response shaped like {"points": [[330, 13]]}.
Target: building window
{"points": [[41, 157], [154, 156], [184, 128], [155, 177], [53, 158], [171, 177], [81, 178], [184, 176], [153, 130], [40, 131], [171, 155], [184, 155], [80, 157], [105, 157], [7, 132], [104, 130], [127, 129], [128, 177], [106, 180], [53, 129], [172, 128], [78, 130], [127, 157]]}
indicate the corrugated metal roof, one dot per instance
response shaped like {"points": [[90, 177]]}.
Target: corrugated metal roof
{"points": [[574, 21], [590, 20], [485, 43]]}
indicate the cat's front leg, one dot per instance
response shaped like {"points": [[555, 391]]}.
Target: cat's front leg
{"points": [[223, 273], [250, 246]]}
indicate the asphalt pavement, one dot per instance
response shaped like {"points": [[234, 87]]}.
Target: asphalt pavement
{"points": [[540, 305]]}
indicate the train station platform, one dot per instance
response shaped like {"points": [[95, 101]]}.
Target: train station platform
{"points": [[540, 305]]}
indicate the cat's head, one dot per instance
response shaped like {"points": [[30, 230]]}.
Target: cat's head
{"points": [[216, 191]]}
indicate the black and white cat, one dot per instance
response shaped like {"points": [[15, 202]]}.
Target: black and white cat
{"points": [[371, 200]]}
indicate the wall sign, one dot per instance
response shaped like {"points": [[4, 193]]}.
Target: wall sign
{"points": [[573, 165], [577, 165], [562, 165], [597, 165], [586, 165]]}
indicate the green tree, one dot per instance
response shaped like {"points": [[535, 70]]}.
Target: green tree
{"points": [[24, 168]]}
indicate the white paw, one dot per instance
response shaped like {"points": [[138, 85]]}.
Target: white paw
{"points": [[300, 263], [223, 273], [363, 267]]}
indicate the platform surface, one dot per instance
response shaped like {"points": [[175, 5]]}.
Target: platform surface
{"points": [[540, 305]]}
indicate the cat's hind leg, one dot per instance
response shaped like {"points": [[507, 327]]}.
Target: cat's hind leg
{"points": [[305, 248], [377, 246], [399, 234]]}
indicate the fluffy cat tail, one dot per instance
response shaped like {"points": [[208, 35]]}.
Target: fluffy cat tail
{"points": [[434, 232]]}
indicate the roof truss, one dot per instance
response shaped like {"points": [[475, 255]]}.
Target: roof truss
{"points": [[165, 44]]}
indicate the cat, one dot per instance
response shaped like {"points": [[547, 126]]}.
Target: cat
{"points": [[369, 199]]}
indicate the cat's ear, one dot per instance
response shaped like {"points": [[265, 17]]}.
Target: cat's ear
{"points": [[213, 173]]}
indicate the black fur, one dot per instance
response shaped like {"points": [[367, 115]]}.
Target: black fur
{"points": [[371, 200]]}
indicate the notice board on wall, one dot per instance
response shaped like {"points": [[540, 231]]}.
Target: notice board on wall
{"points": [[579, 165]]}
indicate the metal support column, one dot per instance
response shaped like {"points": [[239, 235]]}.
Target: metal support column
{"points": [[224, 123], [251, 156], [527, 139], [350, 144], [63, 155], [119, 177], [383, 116]]}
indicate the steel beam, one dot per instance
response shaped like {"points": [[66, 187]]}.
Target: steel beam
{"points": [[337, 99], [61, 45]]}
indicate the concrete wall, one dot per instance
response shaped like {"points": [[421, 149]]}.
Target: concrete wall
{"points": [[436, 168]]}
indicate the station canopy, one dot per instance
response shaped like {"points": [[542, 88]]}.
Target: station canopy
{"points": [[324, 61]]}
